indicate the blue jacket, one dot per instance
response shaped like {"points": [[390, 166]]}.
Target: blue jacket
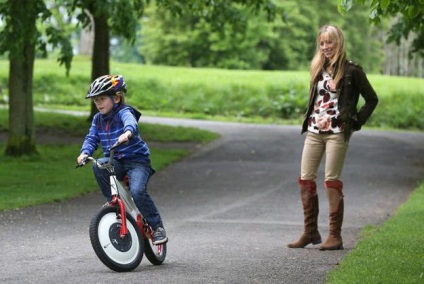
{"points": [[106, 129]]}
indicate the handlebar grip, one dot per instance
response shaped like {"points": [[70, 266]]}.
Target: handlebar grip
{"points": [[80, 165], [117, 142], [84, 162], [114, 146]]}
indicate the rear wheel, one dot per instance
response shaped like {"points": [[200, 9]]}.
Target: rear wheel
{"points": [[119, 254], [156, 254]]}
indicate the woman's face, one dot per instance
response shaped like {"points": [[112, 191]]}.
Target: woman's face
{"points": [[327, 46]]}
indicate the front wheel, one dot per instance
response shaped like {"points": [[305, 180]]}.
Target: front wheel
{"points": [[119, 254]]}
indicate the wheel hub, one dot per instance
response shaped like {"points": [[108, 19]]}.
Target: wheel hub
{"points": [[122, 244]]}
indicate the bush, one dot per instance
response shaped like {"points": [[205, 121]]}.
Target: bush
{"points": [[400, 111]]}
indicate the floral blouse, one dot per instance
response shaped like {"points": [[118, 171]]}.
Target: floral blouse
{"points": [[325, 119]]}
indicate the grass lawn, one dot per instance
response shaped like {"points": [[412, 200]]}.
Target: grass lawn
{"points": [[391, 253], [208, 93], [51, 176]]}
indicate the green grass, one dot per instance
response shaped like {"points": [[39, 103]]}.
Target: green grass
{"points": [[207, 93], [51, 176], [392, 253], [77, 126]]}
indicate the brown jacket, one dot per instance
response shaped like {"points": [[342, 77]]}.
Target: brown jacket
{"points": [[353, 83]]}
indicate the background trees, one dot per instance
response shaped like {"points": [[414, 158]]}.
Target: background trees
{"points": [[405, 19], [408, 15], [285, 43], [239, 34], [19, 37]]}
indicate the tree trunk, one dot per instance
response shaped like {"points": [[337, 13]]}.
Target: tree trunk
{"points": [[100, 57], [21, 136], [86, 42]]}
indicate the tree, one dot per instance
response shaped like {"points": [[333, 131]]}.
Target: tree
{"points": [[192, 41], [106, 17], [409, 14], [287, 43], [120, 18], [20, 38]]}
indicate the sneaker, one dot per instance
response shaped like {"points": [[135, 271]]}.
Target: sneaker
{"points": [[159, 236]]}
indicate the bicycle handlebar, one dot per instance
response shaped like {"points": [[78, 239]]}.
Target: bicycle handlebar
{"points": [[113, 147], [88, 158], [101, 166]]}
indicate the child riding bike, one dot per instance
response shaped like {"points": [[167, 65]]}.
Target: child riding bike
{"points": [[118, 122]]}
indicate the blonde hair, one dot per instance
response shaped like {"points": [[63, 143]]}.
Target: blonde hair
{"points": [[320, 62]]}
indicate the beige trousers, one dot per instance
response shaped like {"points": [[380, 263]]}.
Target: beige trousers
{"points": [[333, 145]]}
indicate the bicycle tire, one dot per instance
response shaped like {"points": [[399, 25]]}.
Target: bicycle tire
{"points": [[156, 254], [118, 254]]}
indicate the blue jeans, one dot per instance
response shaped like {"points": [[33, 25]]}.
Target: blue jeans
{"points": [[138, 175]]}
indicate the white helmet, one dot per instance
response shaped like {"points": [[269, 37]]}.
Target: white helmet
{"points": [[107, 85]]}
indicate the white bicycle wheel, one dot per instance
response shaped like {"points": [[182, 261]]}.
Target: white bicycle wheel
{"points": [[119, 254]]}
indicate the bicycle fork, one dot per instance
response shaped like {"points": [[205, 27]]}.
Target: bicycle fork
{"points": [[116, 200]]}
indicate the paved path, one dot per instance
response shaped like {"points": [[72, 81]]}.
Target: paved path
{"points": [[230, 209]]}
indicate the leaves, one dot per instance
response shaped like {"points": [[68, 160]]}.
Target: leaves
{"points": [[11, 41], [345, 5], [410, 22], [384, 4]]}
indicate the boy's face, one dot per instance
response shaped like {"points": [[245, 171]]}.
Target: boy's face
{"points": [[105, 103]]}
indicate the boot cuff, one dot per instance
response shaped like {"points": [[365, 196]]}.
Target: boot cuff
{"points": [[308, 184], [336, 184]]}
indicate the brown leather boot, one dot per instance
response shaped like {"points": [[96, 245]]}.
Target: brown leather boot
{"points": [[336, 204], [308, 194]]}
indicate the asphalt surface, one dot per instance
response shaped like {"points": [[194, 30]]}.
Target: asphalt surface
{"points": [[229, 208]]}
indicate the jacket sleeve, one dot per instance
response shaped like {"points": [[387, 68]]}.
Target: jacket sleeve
{"points": [[129, 120], [367, 92], [92, 140]]}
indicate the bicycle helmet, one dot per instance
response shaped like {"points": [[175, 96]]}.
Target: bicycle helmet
{"points": [[107, 85]]}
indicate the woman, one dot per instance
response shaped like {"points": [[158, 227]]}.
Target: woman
{"points": [[332, 116]]}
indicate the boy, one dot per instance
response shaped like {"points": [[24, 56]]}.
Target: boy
{"points": [[117, 121]]}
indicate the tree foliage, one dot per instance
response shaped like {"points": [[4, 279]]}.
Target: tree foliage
{"points": [[409, 15], [193, 41], [118, 17], [42, 31], [285, 43], [220, 12]]}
